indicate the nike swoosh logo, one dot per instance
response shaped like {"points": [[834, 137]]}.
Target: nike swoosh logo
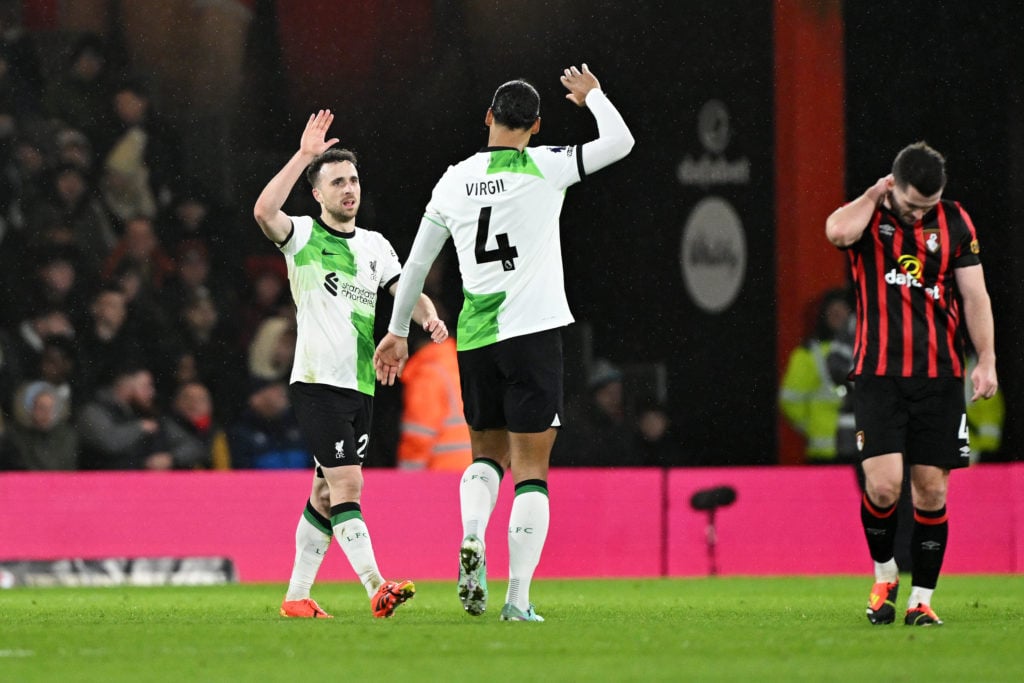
{"points": [[328, 253]]}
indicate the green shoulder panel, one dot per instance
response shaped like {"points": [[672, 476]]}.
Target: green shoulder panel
{"points": [[513, 161], [330, 252]]}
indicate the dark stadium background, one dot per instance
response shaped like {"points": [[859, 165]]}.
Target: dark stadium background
{"points": [[410, 83]]}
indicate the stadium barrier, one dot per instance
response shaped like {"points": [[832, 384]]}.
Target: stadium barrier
{"points": [[605, 522]]}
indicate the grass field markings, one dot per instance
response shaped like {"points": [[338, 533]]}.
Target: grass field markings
{"points": [[17, 653]]}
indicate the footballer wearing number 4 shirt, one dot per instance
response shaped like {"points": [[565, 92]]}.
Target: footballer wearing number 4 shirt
{"points": [[501, 207], [917, 275]]}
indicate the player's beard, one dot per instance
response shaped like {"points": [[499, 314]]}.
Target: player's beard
{"points": [[343, 216]]}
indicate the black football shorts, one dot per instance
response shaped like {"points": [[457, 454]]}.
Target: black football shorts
{"points": [[923, 418], [335, 422], [514, 384]]}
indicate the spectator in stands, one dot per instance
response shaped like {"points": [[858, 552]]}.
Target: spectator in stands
{"points": [[268, 295], [272, 350], [105, 343], [26, 170], [208, 340], [191, 277], [147, 321], [57, 368], [40, 436], [183, 368], [26, 346], [80, 95], [596, 431], [124, 182], [141, 157], [192, 409], [55, 282], [80, 210], [266, 435], [121, 428], [74, 148], [140, 246], [193, 218]]}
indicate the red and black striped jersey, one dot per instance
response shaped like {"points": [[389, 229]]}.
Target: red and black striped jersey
{"points": [[908, 309]]}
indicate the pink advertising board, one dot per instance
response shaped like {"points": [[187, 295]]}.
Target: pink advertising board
{"points": [[605, 522]]}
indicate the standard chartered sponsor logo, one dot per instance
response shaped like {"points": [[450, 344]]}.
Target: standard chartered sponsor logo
{"points": [[358, 294]]}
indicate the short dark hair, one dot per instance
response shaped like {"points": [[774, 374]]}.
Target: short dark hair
{"points": [[921, 166], [331, 156], [516, 104]]}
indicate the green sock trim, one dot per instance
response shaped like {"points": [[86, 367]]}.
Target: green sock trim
{"points": [[520, 490], [494, 465], [345, 516], [317, 521]]}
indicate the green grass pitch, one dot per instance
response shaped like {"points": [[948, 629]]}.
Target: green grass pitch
{"points": [[709, 629]]}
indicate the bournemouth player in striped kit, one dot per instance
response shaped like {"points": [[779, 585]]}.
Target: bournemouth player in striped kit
{"points": [[914, 257]]}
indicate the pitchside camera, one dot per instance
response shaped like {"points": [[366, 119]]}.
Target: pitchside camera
{"points": [[709, 500]]}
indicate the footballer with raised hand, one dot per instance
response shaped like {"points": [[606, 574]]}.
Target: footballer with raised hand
{"points": [[501, 208], [335, 270]]}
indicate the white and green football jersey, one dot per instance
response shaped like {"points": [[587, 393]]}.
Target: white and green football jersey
{"points": [[501, 208], [334, 280]]}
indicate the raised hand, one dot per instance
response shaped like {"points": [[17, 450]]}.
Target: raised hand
{"points": [[313, 141], [579, 83]]}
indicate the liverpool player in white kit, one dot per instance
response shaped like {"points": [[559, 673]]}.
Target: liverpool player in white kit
{"points": [[501, 208], [335, 270]]}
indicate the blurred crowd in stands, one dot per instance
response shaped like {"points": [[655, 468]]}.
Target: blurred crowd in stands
{"points": [[133, 334]]}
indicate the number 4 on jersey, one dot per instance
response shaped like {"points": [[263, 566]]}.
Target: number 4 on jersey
{"points": [[506, 253]]}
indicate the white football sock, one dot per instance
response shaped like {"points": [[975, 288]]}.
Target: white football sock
{"points": [[478, 493], [354, 539], [527, 529], [920, 596], [311, 545], [887, 571]]}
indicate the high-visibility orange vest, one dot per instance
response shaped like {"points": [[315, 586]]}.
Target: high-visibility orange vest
{"points": [[434, 432]]}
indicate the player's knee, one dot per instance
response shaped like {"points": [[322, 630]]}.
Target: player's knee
{"points": [[883, 494], [931, 496], [345, 483]]}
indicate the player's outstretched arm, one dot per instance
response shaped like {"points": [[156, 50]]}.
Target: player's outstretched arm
{"points": [[614, 138], [267, 210], [430, 238]]}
